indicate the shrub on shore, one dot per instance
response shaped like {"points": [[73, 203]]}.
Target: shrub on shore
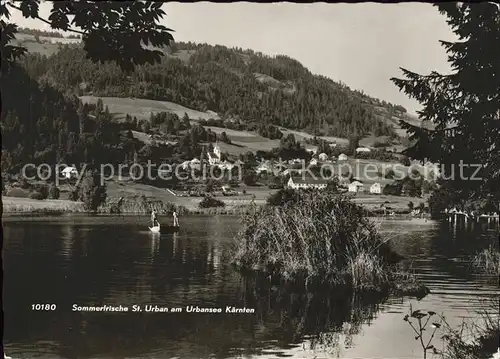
{"points": [[36, 195], [319, 238], [54, 192], [210, 202], [74, 194], [17, 192], [43, 189], [92, 191], [281, 197], [139, 205]]}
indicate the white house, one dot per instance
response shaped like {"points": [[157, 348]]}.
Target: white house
{"points": [[215, 156], [343, 181], [290, 171], [323, 156], [376, 188], [363, 150], [264, 167], [185, 165], [226, 165], [356, 186], [313, 162], [69, 172], [342, 157], [306, 183], [195, 163]]}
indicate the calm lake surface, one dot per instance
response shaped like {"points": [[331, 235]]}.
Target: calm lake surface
{"points": [[84, 260]]}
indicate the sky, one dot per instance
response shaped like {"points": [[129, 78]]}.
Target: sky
{"points": [[363, 45]]}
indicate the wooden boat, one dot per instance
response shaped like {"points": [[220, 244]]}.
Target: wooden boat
{"points": [[155, 229], [166, 229], [171, 229]]}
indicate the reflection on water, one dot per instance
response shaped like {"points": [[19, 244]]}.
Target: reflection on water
{"points": [[117, 261]]}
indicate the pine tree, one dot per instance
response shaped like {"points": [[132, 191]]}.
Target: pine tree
{"points": [[464, 105], [93, 192], [81, 117], [99, 106]]}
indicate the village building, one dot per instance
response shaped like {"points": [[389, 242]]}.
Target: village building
{"points": [[356, 187], [264, 167], [376, 188], [323, 156], [185, 165], [363, 150], [226, 165], [215, 156], [313, 162], [306, 183], [279, 167], [195, 163], [342, 157], [69, 172], [290, 171]]}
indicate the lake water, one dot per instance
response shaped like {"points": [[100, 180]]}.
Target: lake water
{"points": [[83, 260]]}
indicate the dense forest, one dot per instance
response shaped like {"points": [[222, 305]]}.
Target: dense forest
{"points": [[46, 33], [40, 124], [232, 82]]}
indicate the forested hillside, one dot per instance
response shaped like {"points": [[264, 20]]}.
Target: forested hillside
{"points": [[232, 82], [41, 125]]}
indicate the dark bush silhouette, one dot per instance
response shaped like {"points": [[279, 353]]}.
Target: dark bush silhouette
{"points": [[210, 202], [54, 192], [36, 195]]}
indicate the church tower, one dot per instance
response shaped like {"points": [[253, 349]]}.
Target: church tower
{"points": [[217, 150]]}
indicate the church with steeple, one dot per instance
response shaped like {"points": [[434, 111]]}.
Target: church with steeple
{"points": [[214, 157]]}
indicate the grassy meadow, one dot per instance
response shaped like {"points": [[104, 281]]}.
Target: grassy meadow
{"points": [[142, 108], [241, 141]]}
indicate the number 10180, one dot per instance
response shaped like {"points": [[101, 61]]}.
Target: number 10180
{"points": [[43, 307]]}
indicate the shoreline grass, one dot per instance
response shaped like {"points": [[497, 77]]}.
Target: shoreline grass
{"points": [[319, 239], [133, 204], [28, 205]]}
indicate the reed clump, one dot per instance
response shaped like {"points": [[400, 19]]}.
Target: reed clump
{"points": [[488, 261], [28, 205], [139, 205], [319, 238]]}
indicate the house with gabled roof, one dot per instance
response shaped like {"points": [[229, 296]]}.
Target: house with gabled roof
{"points": [[306, 183]]}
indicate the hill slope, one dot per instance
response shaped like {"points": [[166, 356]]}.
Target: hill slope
{"points": [[228, 83]]}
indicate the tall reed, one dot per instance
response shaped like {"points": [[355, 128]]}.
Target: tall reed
{"points": [[139, 205], [488, 261], [316, 238]]}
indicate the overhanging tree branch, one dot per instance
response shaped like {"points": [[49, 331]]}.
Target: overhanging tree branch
{"points": [[38, 17]]}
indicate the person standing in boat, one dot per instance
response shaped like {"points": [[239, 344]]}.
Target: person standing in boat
{"points": [[154, 217], [176, 220]]}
